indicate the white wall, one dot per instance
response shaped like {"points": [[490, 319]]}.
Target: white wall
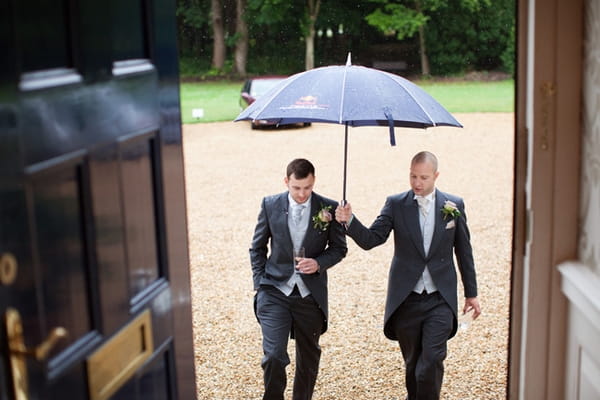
{"points": [[589, 242], [581, 279]]}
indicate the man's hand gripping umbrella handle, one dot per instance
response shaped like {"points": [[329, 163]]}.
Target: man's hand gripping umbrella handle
{"points": [[343, 213]]}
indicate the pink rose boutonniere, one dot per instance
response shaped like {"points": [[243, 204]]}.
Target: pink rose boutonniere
{"points": [[322, 218], [450, 209]]}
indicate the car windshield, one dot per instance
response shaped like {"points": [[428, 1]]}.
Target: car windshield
{"points": [[261, 86]]}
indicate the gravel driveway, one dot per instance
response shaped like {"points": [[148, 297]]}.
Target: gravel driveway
{"points": [[229, 168]]}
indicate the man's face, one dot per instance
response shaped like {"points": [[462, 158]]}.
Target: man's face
{"points": [[300, 189], [422, 178]]}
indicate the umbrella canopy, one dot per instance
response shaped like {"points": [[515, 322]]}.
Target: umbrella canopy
{"points": [[349, 95]]}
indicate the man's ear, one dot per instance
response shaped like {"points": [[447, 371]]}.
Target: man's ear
{"points": [[286, 181]]}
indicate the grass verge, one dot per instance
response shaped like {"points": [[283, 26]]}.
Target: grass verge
{"points": [[220, 100]]}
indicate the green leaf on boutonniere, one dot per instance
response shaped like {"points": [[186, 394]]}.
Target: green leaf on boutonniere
{"points": [[449, 209]]}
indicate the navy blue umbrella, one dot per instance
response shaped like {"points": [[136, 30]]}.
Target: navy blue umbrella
{"points": [[350, 95]]}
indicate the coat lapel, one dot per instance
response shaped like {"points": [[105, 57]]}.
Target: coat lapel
{"points": [[440, 224], [280, 213], [411, 216], [311, 232]]}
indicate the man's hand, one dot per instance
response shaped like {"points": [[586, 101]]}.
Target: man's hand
{"points": [[343, 213], [471, 303], [307, 266]]}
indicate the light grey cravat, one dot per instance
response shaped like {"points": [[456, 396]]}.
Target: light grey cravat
{"points": [[297, 213], [423, 205], [427, 228], [298, 224]]}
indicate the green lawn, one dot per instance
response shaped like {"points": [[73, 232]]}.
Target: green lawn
{"points": [[220, 100], [472, 96]]}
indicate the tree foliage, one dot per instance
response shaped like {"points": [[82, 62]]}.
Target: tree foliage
{"points": [[460, 35], [397, 20], [471, 38], [193, 20]]}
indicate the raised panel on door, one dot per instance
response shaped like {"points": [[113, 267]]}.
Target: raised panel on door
{"points": [[137, 173], [59, 290], [43, 33], [60, 247]]}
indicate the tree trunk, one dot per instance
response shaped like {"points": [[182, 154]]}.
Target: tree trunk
{"points": [[313, 12], [241, 44], [423, 50], [216, 10], [309, 59]]}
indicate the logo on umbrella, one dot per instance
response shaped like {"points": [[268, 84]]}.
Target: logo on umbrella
{"points": [[306, 103], [307, 100]]}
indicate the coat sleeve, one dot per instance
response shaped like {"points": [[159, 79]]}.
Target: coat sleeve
{"points": [[259, 249], [377, 233], [464, 254]]}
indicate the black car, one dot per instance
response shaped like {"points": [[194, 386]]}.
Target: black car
{"points": [[254, 88]]}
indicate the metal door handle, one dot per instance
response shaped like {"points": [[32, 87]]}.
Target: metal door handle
{"points": [[18, 351], [40, 352]]}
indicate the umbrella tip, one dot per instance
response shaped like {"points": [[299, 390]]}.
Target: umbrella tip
{"points": [[348, 62]]}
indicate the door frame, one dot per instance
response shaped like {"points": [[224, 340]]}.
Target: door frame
{"points": [[546, 203]]}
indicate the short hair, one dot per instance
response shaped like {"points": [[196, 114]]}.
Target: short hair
{"points": [[300, 168], [425, 156]]}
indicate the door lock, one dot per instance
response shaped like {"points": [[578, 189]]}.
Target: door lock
{"points": [[8, 269]]}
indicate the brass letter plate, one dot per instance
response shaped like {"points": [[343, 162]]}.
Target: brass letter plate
{"points": [[119, 358]]}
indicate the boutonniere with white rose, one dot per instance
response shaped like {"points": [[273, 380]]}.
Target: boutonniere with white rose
{"points": [[322, 218], [450, 209]]}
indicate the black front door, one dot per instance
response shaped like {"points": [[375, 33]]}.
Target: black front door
{"points": [[94, 279]]}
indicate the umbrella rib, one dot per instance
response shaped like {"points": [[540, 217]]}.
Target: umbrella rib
{"points": [[343, 93], [413, 97]]}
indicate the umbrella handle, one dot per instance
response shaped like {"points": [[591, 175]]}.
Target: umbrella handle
{"points": [[343, 202]]}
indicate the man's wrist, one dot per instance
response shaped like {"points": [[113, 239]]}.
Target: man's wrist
{"points": [[350, 220]]}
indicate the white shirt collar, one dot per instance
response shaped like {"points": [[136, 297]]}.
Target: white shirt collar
{"points": [[293, 202], [430, 196]]}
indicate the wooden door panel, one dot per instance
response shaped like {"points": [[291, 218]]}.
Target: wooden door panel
{"points": [[57, 200], [154, 381], [137, 185], [72, 381], [43, 32], [70, 117], [92, 201], [93, 228], [109, 237], [59, 245]]}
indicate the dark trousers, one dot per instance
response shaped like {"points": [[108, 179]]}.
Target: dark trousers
{"points": [[278, 314], [422, 325]]}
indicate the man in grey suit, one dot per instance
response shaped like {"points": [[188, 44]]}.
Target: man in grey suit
{"points": [[292, 300], [421, 307]]}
